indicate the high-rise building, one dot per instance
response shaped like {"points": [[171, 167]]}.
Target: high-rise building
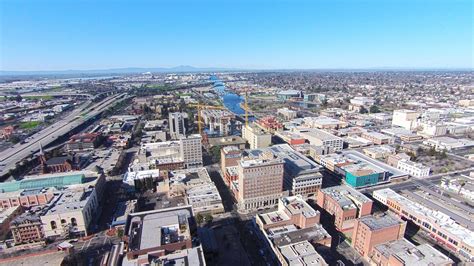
{"points": [[370, 231], [256, 137], [260, 182], [177, 124], [191, 150]]}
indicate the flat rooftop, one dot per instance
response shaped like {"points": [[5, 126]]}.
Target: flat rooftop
{"points": [[302, 253], [152, 229], [380, 222], [357, 156], [345, 196], [434, 216], [291, 235], [295, 162], [296, 205], [317, 133], [409, 254]]}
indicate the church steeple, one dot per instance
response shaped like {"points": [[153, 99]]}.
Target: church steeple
{"points": [[42, 159]]}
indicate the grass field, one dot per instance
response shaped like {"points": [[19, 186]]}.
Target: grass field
{"points": [[29, 125], [45, 97]]}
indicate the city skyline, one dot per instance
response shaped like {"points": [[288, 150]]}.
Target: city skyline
{"points": [[58, 36]]}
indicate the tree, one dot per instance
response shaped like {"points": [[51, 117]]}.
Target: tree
{"points": [[14, 139], [199, 219], [209, 218], [216, 153], [374, 109], [363, 110]]}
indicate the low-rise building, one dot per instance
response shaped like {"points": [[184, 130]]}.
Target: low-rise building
{"points": [[293, 231], [462, 185], [345, 204], [290, 137], [269, 124], [161, 237], [287, 113], [324, 122], [73, 212], [448, 143], [320, 137], [6, 216], [377, 138], [199, 190], [27, 228], [370, 231], [413, 168], [448, 232], [83, 142], [403, 253], [379, 152]]}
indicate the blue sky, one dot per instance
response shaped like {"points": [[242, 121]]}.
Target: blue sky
{"points": [[59, 35]]}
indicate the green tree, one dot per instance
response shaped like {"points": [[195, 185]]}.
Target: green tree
{"points": [[199, 219], [374, 109], [208, 218], [216, 153], [363, 110]]}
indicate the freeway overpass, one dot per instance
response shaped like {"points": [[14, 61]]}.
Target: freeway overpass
{"points": [[10, 157]]}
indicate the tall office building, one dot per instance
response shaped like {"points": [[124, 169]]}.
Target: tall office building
{"points": [[191, 150], [177, 124], [260, 182]]}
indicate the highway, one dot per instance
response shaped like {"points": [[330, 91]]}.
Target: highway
{"points": [[20, 151]]}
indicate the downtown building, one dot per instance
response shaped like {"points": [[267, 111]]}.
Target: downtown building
{"points": [[345, 204], [370, 231], [301, 175], [293, 232], [453, 233], [260, 182], [177, 124]]}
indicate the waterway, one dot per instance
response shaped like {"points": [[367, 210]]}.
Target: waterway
{"points": [[231, 100]]}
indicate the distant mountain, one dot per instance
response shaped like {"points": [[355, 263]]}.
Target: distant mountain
{"points": [[115, 71]]}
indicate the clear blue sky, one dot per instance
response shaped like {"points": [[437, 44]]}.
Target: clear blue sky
{"points": [[75, 34]]}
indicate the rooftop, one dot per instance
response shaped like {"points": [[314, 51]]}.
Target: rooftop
{"points": [[296, 205], [380, 222], [286, 235], [409, 254], [302, 253], [345, 196], [435, 216]]}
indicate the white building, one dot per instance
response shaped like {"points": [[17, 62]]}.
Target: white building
{"points": [[357, 103], [414, 169], [433, 129], [287, 113], [320, 137], [407, 119], [71, 213], [448, 143], [256, 137]]}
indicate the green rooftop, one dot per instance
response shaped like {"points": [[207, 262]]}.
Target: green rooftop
{"points": [[42, 182]]}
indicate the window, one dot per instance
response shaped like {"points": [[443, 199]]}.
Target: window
{"points": [[63, 221], [53, 225], [73, 222]]}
